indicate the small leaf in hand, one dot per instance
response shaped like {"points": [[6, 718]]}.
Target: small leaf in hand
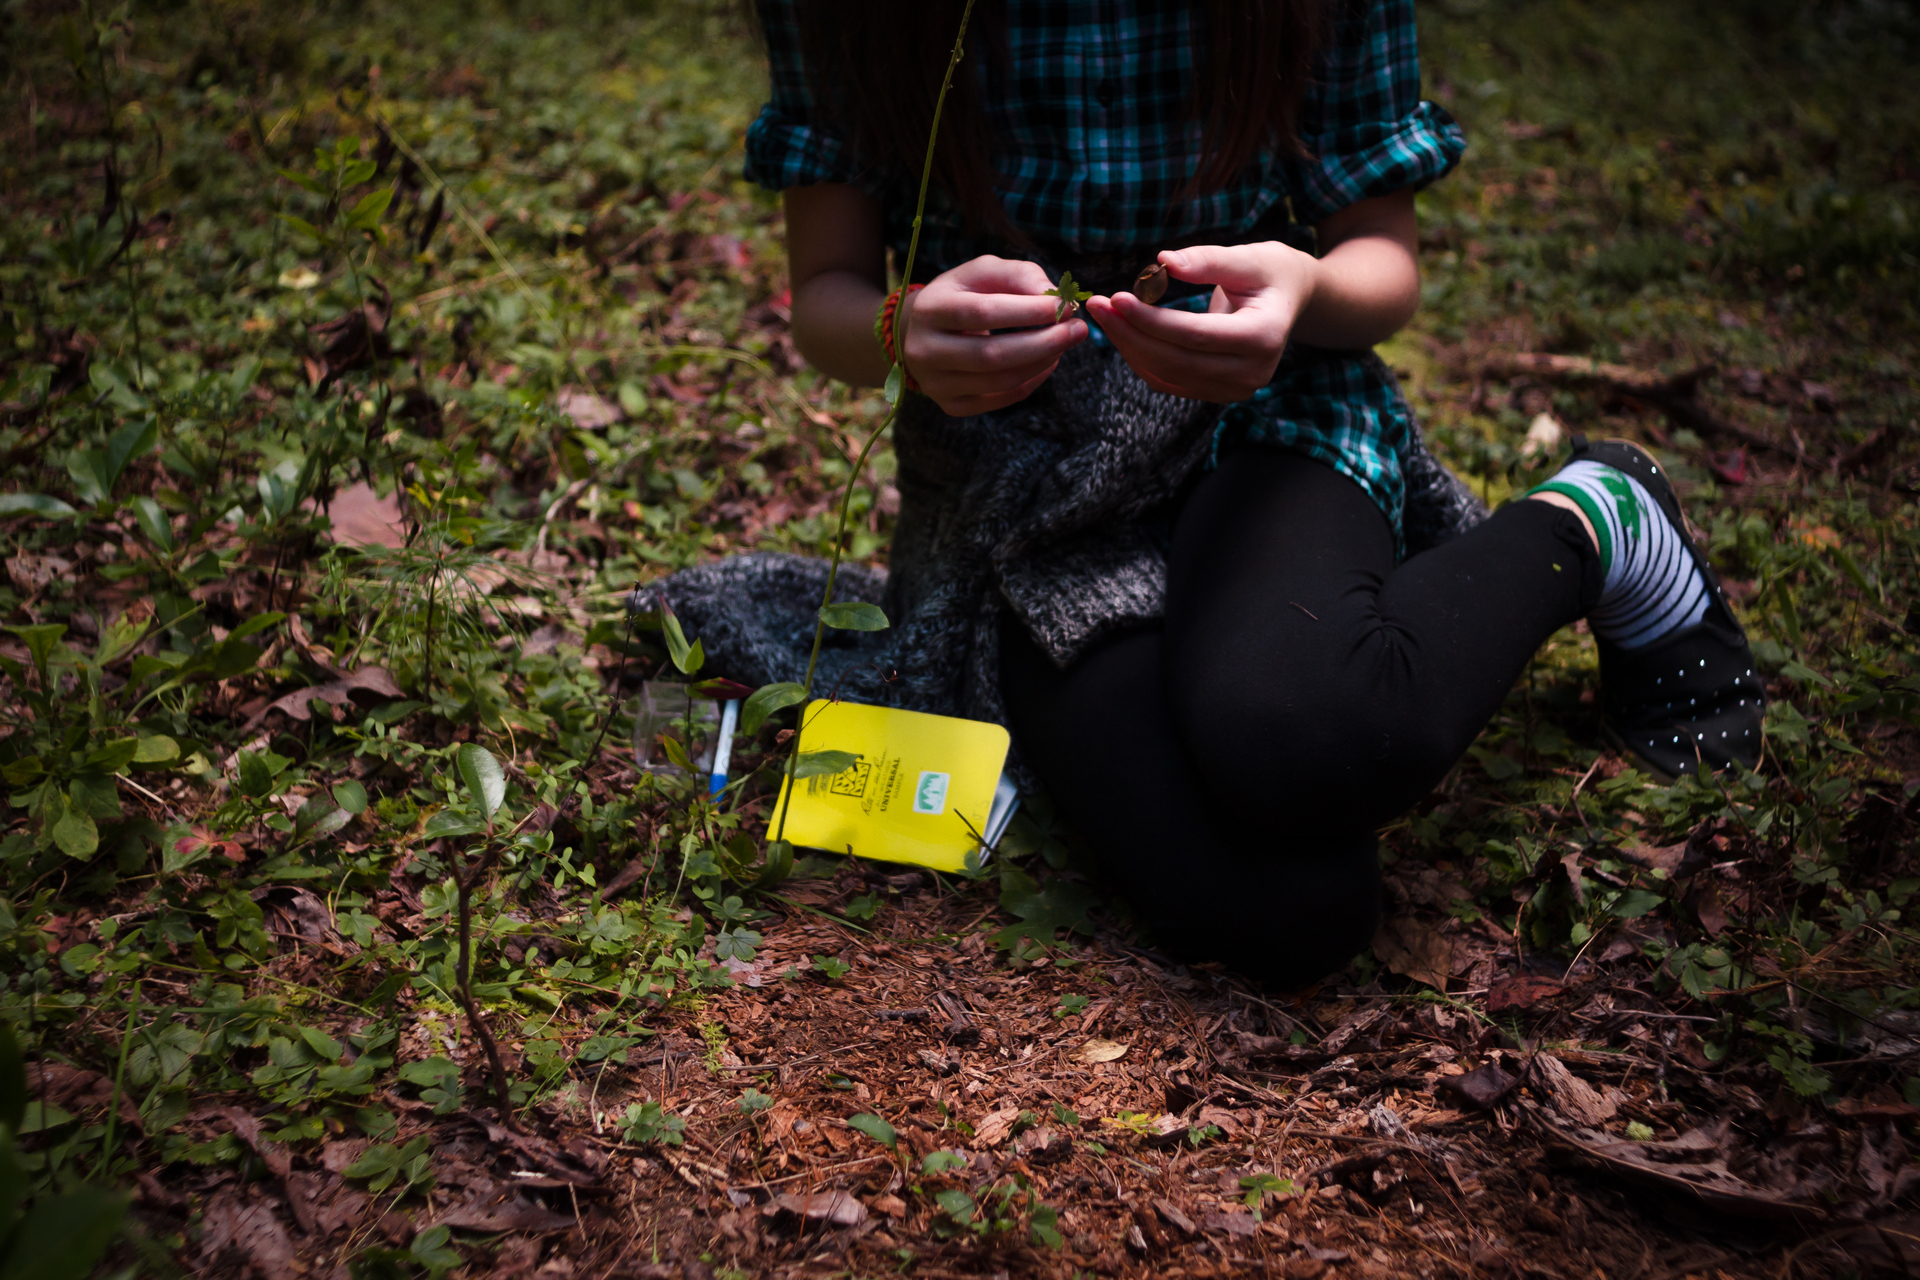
{"points": [[1071, 295], [854, 615], [766, 700], [1151, 286]]}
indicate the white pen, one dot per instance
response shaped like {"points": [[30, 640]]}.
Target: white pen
{"points": [[723, 746]]}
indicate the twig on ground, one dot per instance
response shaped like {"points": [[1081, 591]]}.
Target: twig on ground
{"points": [[1672, 394]]}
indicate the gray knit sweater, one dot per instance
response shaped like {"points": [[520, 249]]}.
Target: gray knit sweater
{"points": [[1058, 511]]}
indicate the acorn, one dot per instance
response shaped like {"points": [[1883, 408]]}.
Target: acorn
{"points": [[1151, 285]]}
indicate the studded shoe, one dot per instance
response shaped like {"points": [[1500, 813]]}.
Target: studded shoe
{"points": [[1694, 697]]}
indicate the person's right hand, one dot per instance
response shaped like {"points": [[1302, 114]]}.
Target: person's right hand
{"points": [[950, 352]]}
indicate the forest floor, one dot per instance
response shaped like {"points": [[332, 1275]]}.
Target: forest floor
{"points": [[356, 362]]}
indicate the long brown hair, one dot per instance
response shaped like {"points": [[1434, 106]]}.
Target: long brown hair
{"points": [[874, 69]]}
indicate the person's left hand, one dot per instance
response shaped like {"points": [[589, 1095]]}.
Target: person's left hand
{"points": [[1231, 351]]}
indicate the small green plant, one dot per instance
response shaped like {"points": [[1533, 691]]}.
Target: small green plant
{"points": [[713, 1040], [876, 1128], [998, 1211], [384, 1163], [486, 788], [1258, 1186], [49, 1237], [648, 1124], [63, 757], [831, 967], [1201, 1134], [439, 1082], [432, 1251], [1071, 1004], [338, 170], [752, 1102], [939, 1163]]}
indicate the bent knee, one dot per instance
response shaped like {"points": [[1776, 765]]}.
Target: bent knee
{"points": [[1337, 765], [1294, 924]]}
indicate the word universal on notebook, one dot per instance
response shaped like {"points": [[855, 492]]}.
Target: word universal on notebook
{"points": [[922, 789]]}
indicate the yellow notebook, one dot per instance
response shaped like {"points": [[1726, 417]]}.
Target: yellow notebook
{"points": [[922, 791]]}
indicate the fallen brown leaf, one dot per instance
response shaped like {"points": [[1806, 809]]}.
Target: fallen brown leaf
{"points": [[1415, 949], [251, 1230], [1521, 992], [837, 1207], [362, 518], [1482, 1087], [487, 1212], [338, 693], [994, 1127], [1572, 1097]]}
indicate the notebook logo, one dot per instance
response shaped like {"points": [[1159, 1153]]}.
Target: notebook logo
{"points": [[851, 781], [930, 796]]}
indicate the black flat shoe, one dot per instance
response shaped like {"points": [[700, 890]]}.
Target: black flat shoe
{"points": [[1694, 697]]}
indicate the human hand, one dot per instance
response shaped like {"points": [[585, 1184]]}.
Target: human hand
{"points": [[949, 348], [1231, 351]]}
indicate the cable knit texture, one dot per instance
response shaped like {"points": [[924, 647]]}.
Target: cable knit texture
{"points": [[1057, 510]]}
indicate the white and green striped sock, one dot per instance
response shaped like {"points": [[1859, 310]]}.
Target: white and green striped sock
{"points": [[1653, 588]]}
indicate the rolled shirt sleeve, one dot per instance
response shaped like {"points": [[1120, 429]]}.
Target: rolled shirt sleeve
{"points": [[1364, 127], [787, 145]]}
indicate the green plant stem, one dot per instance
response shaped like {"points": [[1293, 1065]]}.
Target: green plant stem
{"points": [[593, 752], [466, 882], [463, 979], [893, 412], [426, 654], [124, 206], [119, 1083]]}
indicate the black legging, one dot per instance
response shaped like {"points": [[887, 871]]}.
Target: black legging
{"points": [[1228, 768]]}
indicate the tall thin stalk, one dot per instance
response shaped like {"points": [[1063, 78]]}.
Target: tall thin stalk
{"points": [[465, 880], [896, 392], [122, 205]]}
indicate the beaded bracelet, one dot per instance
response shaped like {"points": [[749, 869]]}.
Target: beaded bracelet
{"points": [[883, 328]]}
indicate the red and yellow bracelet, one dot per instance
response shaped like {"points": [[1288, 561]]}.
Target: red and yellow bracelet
{"points": [[883, 328]]}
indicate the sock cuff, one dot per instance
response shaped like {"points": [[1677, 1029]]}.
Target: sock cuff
{"points": [[1585, 501]]}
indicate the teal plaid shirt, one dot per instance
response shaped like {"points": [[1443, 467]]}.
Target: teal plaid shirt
{"points": [[1090, 114]]}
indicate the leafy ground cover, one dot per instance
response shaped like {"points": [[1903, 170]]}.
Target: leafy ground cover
{"points": [[355, 364]]}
